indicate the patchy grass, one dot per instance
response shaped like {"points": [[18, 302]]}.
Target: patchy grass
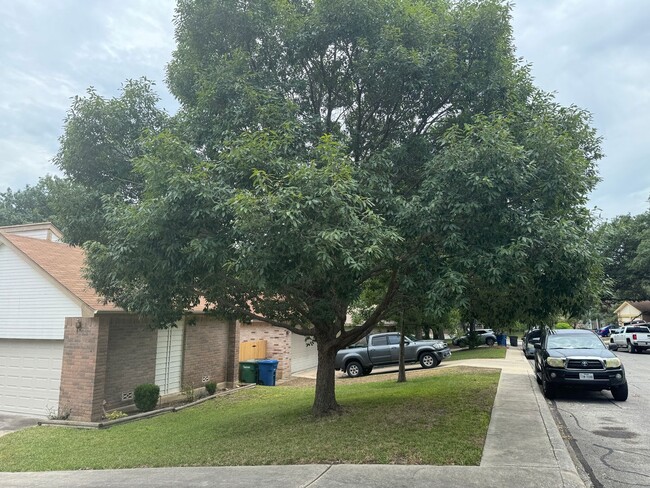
{"points": [[494, 352], [440, 419]]}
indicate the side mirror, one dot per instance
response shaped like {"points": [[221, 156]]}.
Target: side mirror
{"points": [[537, 345], [612, 346]]}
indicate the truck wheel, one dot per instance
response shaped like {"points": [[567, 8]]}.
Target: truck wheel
{"points": [[489, 341], [630, 347], [354, 369], [428, 360], [620, 392], [547, 388]]}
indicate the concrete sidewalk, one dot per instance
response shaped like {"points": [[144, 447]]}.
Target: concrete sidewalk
{"points": [[523, 449]]}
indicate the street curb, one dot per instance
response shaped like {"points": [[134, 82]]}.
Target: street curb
{"points": [[568, 469]]}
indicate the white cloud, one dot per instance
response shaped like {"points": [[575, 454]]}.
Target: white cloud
{"points": [[51, 51], [594, 55]]}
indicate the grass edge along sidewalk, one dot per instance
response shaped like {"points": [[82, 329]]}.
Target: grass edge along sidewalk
{"points": [[438, 417]]}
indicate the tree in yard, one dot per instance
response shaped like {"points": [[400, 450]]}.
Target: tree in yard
{"points": [[323, 145]]}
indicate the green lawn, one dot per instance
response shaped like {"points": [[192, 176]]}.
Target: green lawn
{"points": [[437, 419], [494, 352]]}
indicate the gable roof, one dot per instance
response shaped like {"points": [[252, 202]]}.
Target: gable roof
{"points": [[48, 230], [643, 306], [63, 263]]}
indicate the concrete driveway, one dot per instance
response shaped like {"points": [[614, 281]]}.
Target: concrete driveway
{"points": [[11, 423]]}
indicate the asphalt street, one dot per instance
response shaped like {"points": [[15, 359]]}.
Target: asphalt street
{"points": [[610, 439]]}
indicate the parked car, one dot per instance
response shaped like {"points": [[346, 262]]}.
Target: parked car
{"points": [[383, 350], [605, 331], [578, 359], [487, 336], [635, 337], [530, 339]]}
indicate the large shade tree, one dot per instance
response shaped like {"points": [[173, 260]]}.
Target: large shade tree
{"points": [[324, 144]]}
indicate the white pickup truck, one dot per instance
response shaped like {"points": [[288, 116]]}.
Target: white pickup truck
{"points": [[635, 337]]}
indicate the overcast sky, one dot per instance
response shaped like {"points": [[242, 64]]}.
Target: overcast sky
{"points": [[590, 53]]}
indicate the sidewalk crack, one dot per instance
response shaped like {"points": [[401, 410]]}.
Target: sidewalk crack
{"points": [[318, 477]]}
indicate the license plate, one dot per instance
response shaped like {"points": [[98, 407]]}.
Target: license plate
{"points": [[586, 376]]}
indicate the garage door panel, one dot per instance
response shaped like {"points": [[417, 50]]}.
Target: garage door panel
{"points": [[30, 376], [302, 356]]}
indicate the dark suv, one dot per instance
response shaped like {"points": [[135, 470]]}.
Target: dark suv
{"points": [[577, 358]]}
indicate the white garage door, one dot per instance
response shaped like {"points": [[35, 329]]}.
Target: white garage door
{"points": [[30, 376], [302, 356]]}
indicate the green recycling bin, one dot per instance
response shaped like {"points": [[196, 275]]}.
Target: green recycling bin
{"points": [[248, 372]]}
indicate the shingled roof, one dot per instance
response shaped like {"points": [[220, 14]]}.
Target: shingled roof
{"points": [[63, 263], [643, 306]]}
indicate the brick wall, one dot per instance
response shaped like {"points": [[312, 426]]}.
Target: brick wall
{"points": [[206, 351], [131, 358], [106, 355], [83, 369], [278, 344]]}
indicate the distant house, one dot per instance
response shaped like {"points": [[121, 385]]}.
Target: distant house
{"points": [[63, 349], [629, 311]]}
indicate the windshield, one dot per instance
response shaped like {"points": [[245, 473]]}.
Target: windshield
{"points": [[574, 341]]}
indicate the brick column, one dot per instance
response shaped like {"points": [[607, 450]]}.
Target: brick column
{"points": [[232, 362], [83, 372]]}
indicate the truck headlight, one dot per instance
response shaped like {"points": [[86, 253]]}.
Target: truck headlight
{"points": [[612, 363], [555, 362]]}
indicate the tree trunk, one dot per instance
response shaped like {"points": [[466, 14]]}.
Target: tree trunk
{"points": [[325, 396], [401, 376]]}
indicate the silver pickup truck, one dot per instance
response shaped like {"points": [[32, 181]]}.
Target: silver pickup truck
{"points": [[383, 350]]}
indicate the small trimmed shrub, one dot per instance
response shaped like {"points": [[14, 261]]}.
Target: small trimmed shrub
{"points": [[563, 325], [115, 414], [211, 387], [146, 396]]}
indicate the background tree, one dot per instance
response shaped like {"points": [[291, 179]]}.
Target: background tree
{"points": [[101, 139], [321, 145], [625, 246], [27, 206]]}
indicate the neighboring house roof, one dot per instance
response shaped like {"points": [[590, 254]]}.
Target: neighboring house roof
{"points": [[47, 229], [63, 263], [643, 306]]}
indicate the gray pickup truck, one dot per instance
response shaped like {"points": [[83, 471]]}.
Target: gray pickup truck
{"points": [[383, 350]]}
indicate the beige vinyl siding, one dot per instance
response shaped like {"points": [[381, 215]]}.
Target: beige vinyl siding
{"points": [[31, 305]]}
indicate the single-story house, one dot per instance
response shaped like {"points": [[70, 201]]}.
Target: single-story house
{"points": [[629, 311], [63, 350]]}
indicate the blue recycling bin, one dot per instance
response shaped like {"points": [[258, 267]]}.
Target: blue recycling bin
{"points": [[502, 339], [267, 369]]}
